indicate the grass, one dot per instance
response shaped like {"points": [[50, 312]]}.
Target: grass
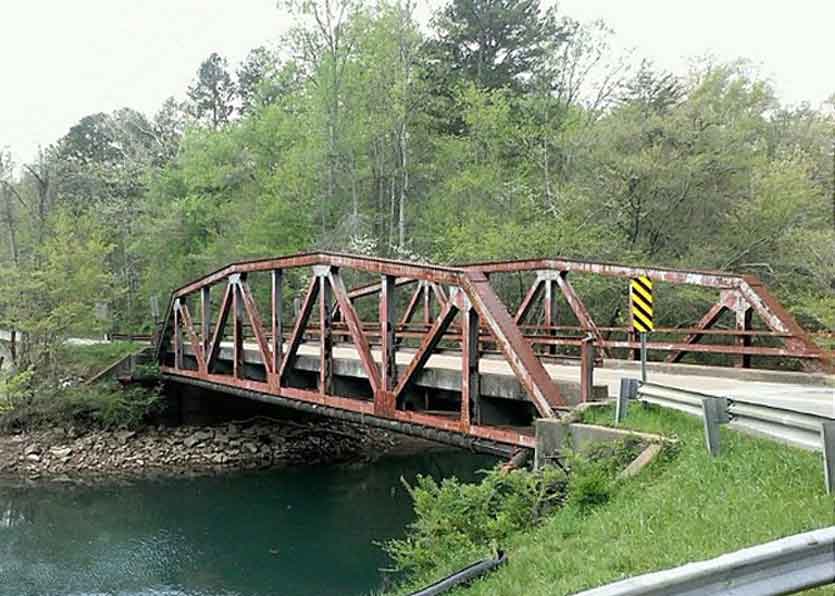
{"points": [[85, 361], [684, 507]]}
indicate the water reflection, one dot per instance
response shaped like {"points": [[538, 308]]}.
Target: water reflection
{"points": [[295, 532]]}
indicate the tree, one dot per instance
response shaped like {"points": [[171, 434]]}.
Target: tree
{"points": [[494, 43], [259, 66], [56, 295], [7, 195], [325, 43], [653, 91], [213, 92]]}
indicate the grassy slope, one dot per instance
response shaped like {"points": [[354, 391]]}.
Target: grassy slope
{"points": [[85, 361], [680, 509]]}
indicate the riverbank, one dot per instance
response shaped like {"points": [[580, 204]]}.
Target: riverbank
{"points": [[685, 506], [86, 455]]}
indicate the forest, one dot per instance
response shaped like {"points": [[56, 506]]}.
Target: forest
{"points": [[501, 129]]}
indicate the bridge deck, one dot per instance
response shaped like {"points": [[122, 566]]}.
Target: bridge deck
{"points": [[800, 395], [800, 392]]}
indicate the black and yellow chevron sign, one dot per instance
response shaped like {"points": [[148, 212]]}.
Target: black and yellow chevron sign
{"points": [[640, 298]]}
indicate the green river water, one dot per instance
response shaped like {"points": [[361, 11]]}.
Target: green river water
{"points": [[294, 532]]}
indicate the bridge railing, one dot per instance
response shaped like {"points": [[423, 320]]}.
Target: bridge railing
{"points": [[742, 296]]}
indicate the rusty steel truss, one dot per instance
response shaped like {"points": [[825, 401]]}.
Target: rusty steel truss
{"points": [[460, 311]]}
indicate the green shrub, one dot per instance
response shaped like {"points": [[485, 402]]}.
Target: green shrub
{"points": [[590, 485], [108, 406], [454, 517], [149, 370], [15, 388]]}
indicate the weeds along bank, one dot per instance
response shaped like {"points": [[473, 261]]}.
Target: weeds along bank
{"points": [[566, 532]]}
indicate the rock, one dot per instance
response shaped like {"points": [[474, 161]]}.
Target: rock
{"points": [[198, 437], [33, 458], [205, 435], [251, 447], [61, 451], [32, 450], [124, 436]]}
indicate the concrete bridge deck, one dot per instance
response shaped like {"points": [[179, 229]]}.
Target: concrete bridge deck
{"points": [[800, 392]]}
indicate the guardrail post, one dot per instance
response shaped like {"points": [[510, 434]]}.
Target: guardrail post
{"points": [[715, 412], [628, 391], [828, 448]]}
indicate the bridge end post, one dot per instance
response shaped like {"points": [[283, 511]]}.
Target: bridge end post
{"points": [[551, 434]]}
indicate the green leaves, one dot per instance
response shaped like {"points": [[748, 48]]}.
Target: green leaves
{"points": [[455, 518]]}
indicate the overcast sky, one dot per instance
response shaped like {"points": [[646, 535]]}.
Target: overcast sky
{"points": [[60, 61]]}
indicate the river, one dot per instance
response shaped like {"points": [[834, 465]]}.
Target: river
{"points": [[295, 532]]}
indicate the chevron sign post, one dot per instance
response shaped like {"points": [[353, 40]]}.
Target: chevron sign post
{"points": [[641, 312]]}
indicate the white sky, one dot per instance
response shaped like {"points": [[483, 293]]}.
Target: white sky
{"points": [[62, 60]]}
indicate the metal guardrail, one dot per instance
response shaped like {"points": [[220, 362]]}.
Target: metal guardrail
{"points": [[800, 429], [784, 566]]}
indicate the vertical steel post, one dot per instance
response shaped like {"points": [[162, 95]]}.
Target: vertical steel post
{"points": [[643, 357], [178, 336], [427, 303], [325, 337], [237, 330], [205, 317], [387, 332], [587, 369], [550, 311], [470, 381], [276, 306], [743, 323]]}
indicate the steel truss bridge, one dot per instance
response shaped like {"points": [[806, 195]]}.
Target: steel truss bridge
{"points": [[443, 352]]}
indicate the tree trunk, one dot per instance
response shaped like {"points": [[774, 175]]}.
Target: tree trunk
{"points": [[404, 185], [10, 223]]}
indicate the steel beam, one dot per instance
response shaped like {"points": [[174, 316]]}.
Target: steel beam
{"points": [[217, 336], [470, 379], [276, 319], [520, 356], [355, 328], [298, 328]]}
